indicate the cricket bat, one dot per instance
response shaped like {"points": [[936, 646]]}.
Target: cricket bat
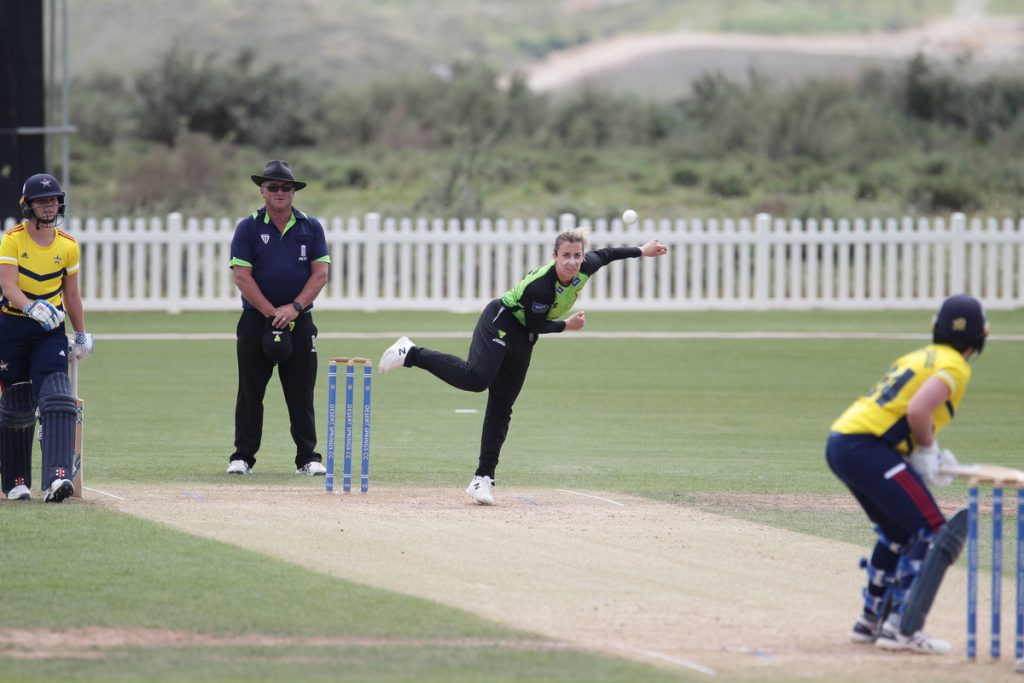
{"points": [[76, 477], [993, 474]]}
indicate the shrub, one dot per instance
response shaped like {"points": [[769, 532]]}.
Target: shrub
{"points": [[942, 194], [685, 176], [729, 185]]}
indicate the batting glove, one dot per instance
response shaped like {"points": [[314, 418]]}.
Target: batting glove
{"points": [[83, 345], [928, 462], [44, 313], [946, 459]]}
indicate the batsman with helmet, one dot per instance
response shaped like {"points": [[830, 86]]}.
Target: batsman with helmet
{"points": [[39, 265], [884, 449]]}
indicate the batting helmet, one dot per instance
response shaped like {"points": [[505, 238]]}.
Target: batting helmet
{"points": [[960, 323], [39, 186]]}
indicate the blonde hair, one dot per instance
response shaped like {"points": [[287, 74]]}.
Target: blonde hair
{"points": [[580, 235]]}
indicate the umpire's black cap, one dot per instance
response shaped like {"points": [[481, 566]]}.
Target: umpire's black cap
{"points": [[277, 343]]}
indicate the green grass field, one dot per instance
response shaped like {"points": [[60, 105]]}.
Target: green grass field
{"points": [[670, 419]]}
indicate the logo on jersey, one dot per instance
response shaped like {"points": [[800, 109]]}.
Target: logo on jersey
{"points": [[539, 307], [302, 252], [575, 281], [499, 341], [266, 238], [3, 366], [24, 254], [56, 259]]}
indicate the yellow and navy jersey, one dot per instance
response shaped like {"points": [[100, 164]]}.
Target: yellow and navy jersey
{"points": [[539, 300], [41, 270], [883, 411]]}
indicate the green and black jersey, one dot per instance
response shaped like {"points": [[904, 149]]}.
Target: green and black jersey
{"points": [[539, 301]]}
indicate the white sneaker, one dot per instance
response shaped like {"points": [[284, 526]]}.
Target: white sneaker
{"points": [[19, 492], [480, 490], [58, 491], [312, 468], [239, 467], [394, 357], [892, 640]]}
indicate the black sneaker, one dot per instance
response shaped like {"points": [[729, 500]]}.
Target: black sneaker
{"points": [[866, 630], [58, 491]]}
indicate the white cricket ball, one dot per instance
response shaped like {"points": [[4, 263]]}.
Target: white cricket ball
{"points": [[629, 216]]}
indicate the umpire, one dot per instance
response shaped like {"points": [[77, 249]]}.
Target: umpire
{"points": [[279, 258]]}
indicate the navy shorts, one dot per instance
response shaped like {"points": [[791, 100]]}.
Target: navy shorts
{"points": [[892, 494], [28, 352]]}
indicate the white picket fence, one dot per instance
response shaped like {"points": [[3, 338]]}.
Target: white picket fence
{"points": [[178, 264]]}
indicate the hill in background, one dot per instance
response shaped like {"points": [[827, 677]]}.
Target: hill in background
{"points": [[652, 47]]}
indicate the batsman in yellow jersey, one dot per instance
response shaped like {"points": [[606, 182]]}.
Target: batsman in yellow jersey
{"points": [[884, 449], [39, 266]]}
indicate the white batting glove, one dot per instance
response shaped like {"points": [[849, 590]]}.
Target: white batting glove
{"points": [[946, 459], [82, 347], [44, 313], [927, 462]]}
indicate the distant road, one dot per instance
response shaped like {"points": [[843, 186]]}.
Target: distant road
{"points": [[663, 64]]}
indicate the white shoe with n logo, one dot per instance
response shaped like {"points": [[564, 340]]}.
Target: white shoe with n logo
{"points": [[481, 490], [394, 357]]}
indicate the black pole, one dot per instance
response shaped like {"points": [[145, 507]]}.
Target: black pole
{"points": [[22, 100]]}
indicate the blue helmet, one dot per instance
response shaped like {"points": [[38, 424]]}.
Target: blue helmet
{"points": [[960, 323], [39, 186]]}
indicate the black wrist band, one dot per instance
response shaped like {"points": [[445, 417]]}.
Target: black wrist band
{"points": [[297, 306]]}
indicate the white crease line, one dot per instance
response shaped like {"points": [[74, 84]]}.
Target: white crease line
{"points": [[104, 493], [587, 495], [668, 658]]}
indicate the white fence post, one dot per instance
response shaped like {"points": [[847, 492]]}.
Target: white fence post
{"points": [[762, 259], [371, 261], [957, 255], [175, 245]]}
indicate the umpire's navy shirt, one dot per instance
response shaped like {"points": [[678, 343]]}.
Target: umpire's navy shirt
{"points": [[280, 261]]}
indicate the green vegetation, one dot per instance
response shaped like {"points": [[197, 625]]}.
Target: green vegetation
{"points": [[186, 135]]}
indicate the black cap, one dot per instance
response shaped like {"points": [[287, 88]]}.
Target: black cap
{"points": [[276, 169], [960, 323], [277, 343]]}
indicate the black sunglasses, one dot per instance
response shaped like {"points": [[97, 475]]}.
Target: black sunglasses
{"points": [[279, 188]]}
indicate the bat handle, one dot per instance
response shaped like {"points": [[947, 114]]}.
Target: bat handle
{"points": [[73, 374]]}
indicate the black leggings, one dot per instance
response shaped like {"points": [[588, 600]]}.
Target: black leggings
{"points": [[499, 357]]}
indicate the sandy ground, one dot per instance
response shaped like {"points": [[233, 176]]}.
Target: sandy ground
{"points": [[662, 64], [678, 586]]}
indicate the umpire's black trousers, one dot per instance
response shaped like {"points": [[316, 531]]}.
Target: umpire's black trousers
{"points": [[298, 380], [499, 357]]}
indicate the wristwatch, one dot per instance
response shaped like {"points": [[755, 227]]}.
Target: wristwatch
{"points": [[297, 306]]}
